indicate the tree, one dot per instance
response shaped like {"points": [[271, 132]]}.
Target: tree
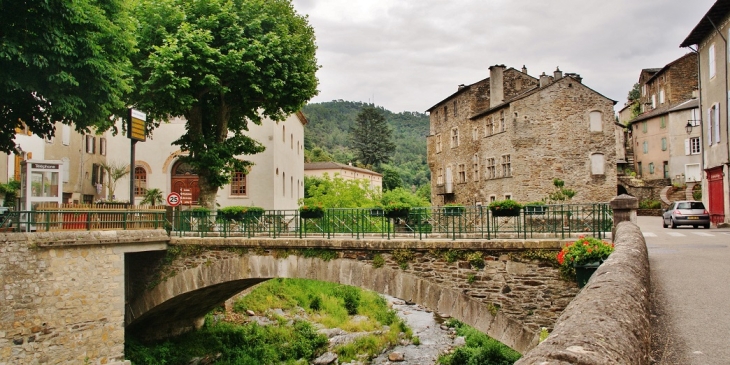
{"points": [[371, 137], [221, 64], [633, 97], [116, 171], [65, 61], [337, 192], [152, 196], [391, 179]]}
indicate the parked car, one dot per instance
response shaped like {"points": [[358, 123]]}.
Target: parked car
{"points": [[686, 213]]}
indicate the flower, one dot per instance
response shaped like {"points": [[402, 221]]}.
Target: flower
{"points": [[585, 250]]}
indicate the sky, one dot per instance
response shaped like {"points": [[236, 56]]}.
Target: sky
{"points": [[407, 55]]}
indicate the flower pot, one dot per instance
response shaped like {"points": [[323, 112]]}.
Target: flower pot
{"points": [[311, 214], [511, 212], [584, 272], [453, 211]]}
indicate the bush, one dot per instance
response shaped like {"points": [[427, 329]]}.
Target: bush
{"points": [[504, 204], [650, 204], [240, 213]]}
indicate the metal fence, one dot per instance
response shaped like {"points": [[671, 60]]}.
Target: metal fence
{"points": [[79, 217], [549, 221]]}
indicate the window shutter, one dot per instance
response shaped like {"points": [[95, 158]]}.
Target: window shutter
{"points": [[717, 123], [686, 147], [709, 127], [65, 135], [94, 170]]}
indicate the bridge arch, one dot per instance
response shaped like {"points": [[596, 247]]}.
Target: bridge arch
{"points": [[180, 302]]}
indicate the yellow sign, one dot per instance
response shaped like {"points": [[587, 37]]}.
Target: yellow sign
{"points": [[137, 127]]}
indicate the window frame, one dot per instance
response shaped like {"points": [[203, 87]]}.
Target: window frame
{"points": [[239, 186]]}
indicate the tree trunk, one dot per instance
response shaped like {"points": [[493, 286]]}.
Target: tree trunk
{"points": [[207, 191]]}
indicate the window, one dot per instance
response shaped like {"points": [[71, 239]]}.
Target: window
{"points": [[491, 169], [711, 58], [462, 173], [90, 144], [643, 126], [438, 143], [455, 110], [238, 183], [291, 141], [596, 124], [664, 144], [66, 169], [446, 112], [440, 178], [474, 133], [475, 162], [713, 124], [665, 165], [651, 168], [693, 146], [663, 122], [653, 101], [643, 90], [501, 121], [140, 181], [646, 147], [661, 96], [598, 165], [507, 196], [283, 133], [639, 170], [489, 127], [506, 166], [102, 146], [454, 137], [66, 135], [283, 183]]}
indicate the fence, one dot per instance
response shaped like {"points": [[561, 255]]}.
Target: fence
{"points": [[549, 221], [84, 217]]}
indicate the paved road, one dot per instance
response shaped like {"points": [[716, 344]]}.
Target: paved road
{"points": [[690, 274]]}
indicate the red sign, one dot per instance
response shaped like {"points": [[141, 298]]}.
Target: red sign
{"points": [[173, 199], [187, 196]]}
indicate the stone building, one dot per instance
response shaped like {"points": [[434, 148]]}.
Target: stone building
{"points": [[663, 150], [347, 172], [709, 40], [511, 134]]}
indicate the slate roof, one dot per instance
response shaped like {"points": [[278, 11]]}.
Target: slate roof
{"points": [[715, 15]]}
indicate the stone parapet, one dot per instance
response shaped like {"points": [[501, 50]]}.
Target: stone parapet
{"points": [[608, 322], [85, 238]]}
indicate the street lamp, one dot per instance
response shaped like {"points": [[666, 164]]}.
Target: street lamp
{"points": [[688, 127]]}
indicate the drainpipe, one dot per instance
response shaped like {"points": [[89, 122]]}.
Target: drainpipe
{"points": [[701, 111], [727, 96]]}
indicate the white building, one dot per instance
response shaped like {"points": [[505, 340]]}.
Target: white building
{"points": [[347, 172]]}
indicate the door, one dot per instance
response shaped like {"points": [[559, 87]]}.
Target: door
{"points": [[692, 173], [716, 195], [184, 177]]}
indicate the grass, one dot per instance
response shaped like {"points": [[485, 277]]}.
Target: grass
{"points": [[479, 349]]}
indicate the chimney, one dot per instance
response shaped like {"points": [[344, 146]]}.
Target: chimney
{"points": [[461, 86], [524, 69], [578, 78], [496, 85], [544, 80], [694, 94], [557, 74]]}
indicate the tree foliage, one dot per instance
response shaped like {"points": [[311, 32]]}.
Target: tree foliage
{"points": [[63, 61], [116, 170], [221, 64], [371, 137], [336, 192], [391, 179]]}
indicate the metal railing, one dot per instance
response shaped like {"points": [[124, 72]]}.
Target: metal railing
{"points": [[75, 219], [549, 221]]}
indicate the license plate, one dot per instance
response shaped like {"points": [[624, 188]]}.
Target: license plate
{"points": [[693, 217]]}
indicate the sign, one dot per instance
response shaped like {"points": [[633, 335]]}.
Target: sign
{"points": [[173, 199], [137, 125], [186, 196], [44, 166]]}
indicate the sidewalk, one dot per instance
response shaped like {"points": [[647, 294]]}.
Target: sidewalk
{"points": [[690, 277]]}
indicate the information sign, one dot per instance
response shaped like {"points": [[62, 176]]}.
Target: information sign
{"points": [[186, 196]]}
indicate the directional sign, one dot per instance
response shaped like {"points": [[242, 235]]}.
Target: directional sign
{"points": [[173, 199], [137, 128], [187, 196]]}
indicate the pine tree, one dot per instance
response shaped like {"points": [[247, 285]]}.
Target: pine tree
{"points": [[371, 137]]}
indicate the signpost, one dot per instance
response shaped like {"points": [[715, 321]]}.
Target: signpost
{"points": [[136, 131], [186, 195], [173, 199]]}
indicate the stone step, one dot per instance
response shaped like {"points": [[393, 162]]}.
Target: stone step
{"points": [[688, 193]]}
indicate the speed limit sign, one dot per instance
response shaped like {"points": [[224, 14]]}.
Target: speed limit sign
{"points": [[173, 199]]}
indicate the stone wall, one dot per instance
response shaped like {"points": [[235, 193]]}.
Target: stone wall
{"points": [[517, 292], [608, 322], [63, 295]]}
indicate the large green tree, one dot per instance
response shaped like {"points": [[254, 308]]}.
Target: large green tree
{"points": [[65, 61], [221, 64], [371, 137]]}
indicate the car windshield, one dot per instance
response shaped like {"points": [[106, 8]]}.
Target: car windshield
{"points": [[690, 205]]}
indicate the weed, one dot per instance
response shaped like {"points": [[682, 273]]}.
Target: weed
{"points": [[471, 278], [493, 308], [403, 257], [453, 255], [378, 261], [324, 254], [416, 341], [476, 260], [544, 334]]}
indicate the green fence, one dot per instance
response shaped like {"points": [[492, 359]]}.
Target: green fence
{"points": [[48, 220], [549, 221]]}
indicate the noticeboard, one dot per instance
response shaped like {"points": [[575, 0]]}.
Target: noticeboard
{"points": [[137, 125]]}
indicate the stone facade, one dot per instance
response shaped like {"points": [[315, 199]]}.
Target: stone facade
{"points": [[63, 295], [513, 141]]}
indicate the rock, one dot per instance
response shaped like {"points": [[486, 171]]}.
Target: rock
{"points": [[459, 341], [326, 358], [396, 356], [250, 313], [332, 332]]}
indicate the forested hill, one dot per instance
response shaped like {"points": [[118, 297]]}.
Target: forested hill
{"points": [[329, 129]]}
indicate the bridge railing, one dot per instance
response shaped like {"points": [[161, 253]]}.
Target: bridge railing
{"points": [[83, 218], [549, 221]]}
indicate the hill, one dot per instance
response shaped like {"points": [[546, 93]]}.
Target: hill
{"points": [[329, 130]]}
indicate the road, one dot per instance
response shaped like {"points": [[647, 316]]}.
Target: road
{"points": [[690, 276]]}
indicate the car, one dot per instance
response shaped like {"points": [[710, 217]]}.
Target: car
{"points": [[686, 213]]}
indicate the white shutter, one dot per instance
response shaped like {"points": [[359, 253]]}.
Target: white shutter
{"points": [[709, 127], [687, 150], [717, 123], [66, 135]]}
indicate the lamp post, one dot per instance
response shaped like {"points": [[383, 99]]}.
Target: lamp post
{"points": [[688, 127]]}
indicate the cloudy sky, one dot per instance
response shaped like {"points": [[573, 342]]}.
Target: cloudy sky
{"points": [[407, 55]]}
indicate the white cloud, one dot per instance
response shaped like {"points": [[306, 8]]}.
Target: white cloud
{"points": [[410, 54]]}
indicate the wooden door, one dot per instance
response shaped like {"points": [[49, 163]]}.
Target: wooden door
{"points": [[184, 177]]}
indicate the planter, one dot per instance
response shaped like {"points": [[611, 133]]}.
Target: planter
{"points": [[377, 212], [309, 214], [454, 211], [535, 209], [584, 272], [398, 213], [511, 212]]}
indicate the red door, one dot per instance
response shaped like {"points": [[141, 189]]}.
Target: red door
{"points": [[184, 177], [716, 195]]}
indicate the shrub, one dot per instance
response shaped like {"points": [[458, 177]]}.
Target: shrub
{"points": [[585, 250], [504, 204], [650, 204], [476, 260], [378, 261]]}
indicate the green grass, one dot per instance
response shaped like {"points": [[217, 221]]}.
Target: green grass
{"points": [[479, 349]]}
